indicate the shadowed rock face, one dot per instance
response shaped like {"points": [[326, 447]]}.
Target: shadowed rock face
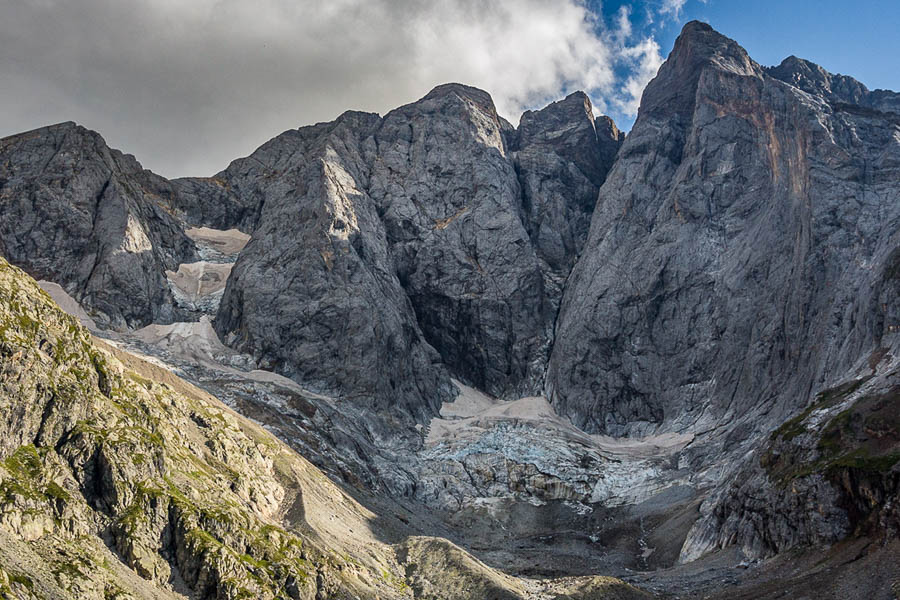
{"points": [[314, 294], [214, 202], [91, 219], [449, 198], [741, 254], [562, 155], [391, 250]]}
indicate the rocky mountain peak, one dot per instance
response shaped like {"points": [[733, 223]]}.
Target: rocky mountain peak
{"points": [[696, 49], [91, 219], [358, 119], [479, 97], [573, 111], [813, 79], [66, 141], [607, 129], [568, 127]]}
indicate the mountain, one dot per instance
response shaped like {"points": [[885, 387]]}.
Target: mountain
{"points": [[92, 220], [669, 356], [741, 251], [406, 236], [741, 261], [119, 480]]}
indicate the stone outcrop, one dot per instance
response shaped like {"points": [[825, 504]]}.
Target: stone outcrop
{"points": [[827, 473], [89, 218], [389, 251], [562, 155], [216, 201], [741, 254], [836, 89]]}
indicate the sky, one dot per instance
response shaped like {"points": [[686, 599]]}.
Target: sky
{"points": [[187, 86]]}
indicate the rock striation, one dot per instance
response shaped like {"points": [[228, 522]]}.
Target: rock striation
{"points": [[561, 169], [741, 254], [741, 263], [826, 474], [314, 295]]}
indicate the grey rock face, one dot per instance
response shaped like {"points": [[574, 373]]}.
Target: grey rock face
{"points": [[831, 471], [386, 251], [389, 249], [91, 219], [214, 202], [449, 199], [314, 295], [739, 256], [562, 155], [837, 89]]}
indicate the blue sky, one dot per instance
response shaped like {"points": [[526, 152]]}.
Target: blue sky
{"points": [[860, 38]]}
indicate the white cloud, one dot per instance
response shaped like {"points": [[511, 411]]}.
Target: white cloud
{"points": [[644, 60], [672, 8], [187, 86]]}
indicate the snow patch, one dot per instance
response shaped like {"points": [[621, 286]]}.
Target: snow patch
{"points": [[218, 245], [199, 286]]}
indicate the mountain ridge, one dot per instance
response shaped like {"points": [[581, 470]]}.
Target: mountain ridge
{"points": [[710, 299]]}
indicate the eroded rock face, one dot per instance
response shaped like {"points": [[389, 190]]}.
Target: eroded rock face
{"points": [[829, 472], [449, 199], [75, 212], [743, 257], [392, 251], [562, 155], [740, 252], [314, 294]]}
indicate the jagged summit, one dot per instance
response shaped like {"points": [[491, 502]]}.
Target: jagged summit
{"points": [[576, 105], [356, 117], [697, 48], [568, 126], [67, 134], [573, 108], [77, 212], [479, 96], [814, 79], [836, 88]]}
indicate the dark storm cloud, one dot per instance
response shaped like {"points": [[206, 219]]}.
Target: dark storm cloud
{"points": [[189, 85]]}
